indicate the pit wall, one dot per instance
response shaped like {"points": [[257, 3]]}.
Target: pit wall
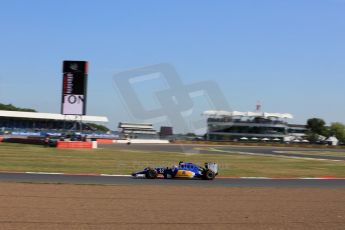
{"points": [[132, 141], [83, 144], [94, 144], [143, 141]]}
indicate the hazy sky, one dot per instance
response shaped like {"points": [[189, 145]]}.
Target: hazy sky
{"points": [[290, 55]]}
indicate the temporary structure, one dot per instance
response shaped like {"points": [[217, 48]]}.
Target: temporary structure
{"points": [[332, 140], [305, 141]]}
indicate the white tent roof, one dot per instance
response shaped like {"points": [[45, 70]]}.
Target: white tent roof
{"points": [[332, 138], [51, 116], [305, 141], [221, 113]]}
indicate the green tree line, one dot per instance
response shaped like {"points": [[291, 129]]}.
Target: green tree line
{"points": [[11, 107], [317, 126], [98, 127]]}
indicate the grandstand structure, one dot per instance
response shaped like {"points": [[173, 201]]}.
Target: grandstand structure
{"points": [[224, 125], [15, 121], [137, 131]]}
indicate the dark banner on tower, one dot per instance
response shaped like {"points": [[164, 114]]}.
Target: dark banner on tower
{"points": [[74, 88]]}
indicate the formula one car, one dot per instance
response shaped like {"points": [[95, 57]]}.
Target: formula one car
{"points": [[183, 170]]}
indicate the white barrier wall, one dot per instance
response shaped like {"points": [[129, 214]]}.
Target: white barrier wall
{"points": [[94, 144], [142, 141]]}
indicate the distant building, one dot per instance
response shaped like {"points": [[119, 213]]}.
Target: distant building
{"points": [[137, 131], [166, 131], [224, 125], [298, 131]]}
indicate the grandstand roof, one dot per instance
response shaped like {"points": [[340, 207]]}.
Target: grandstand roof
{"points": [[220, 113], [128, 125], [51, 116]]}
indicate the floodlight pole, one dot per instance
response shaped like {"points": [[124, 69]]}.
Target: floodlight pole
{"points": [[79, 119]]}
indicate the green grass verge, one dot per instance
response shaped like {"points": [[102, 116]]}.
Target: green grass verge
{"points": [[19, 157]]}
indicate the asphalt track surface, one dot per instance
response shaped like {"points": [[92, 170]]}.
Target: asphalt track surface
{"points": [[123, 180], [230, 150]]}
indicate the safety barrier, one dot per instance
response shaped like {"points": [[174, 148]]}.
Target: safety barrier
{"points": [[105, 141], [74, 145]]}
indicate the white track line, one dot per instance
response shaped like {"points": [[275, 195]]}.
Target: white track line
{"points": [[257, 178], [45, 173], [111, 175]]}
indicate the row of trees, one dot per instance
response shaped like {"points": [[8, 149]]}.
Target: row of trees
{"points": [[10, 107], [98, 127], [317, 127]]}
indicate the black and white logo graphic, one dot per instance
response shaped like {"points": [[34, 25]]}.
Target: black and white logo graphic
{"points": [[73, 104]]}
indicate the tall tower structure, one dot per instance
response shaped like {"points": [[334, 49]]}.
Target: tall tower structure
{"points": [[258, 106]]}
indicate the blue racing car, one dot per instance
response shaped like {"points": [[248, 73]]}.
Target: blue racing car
{"points": [[183, 170]]}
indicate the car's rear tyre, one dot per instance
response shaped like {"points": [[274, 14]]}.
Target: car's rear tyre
{"points": [[151, 174], [209, 175]]}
